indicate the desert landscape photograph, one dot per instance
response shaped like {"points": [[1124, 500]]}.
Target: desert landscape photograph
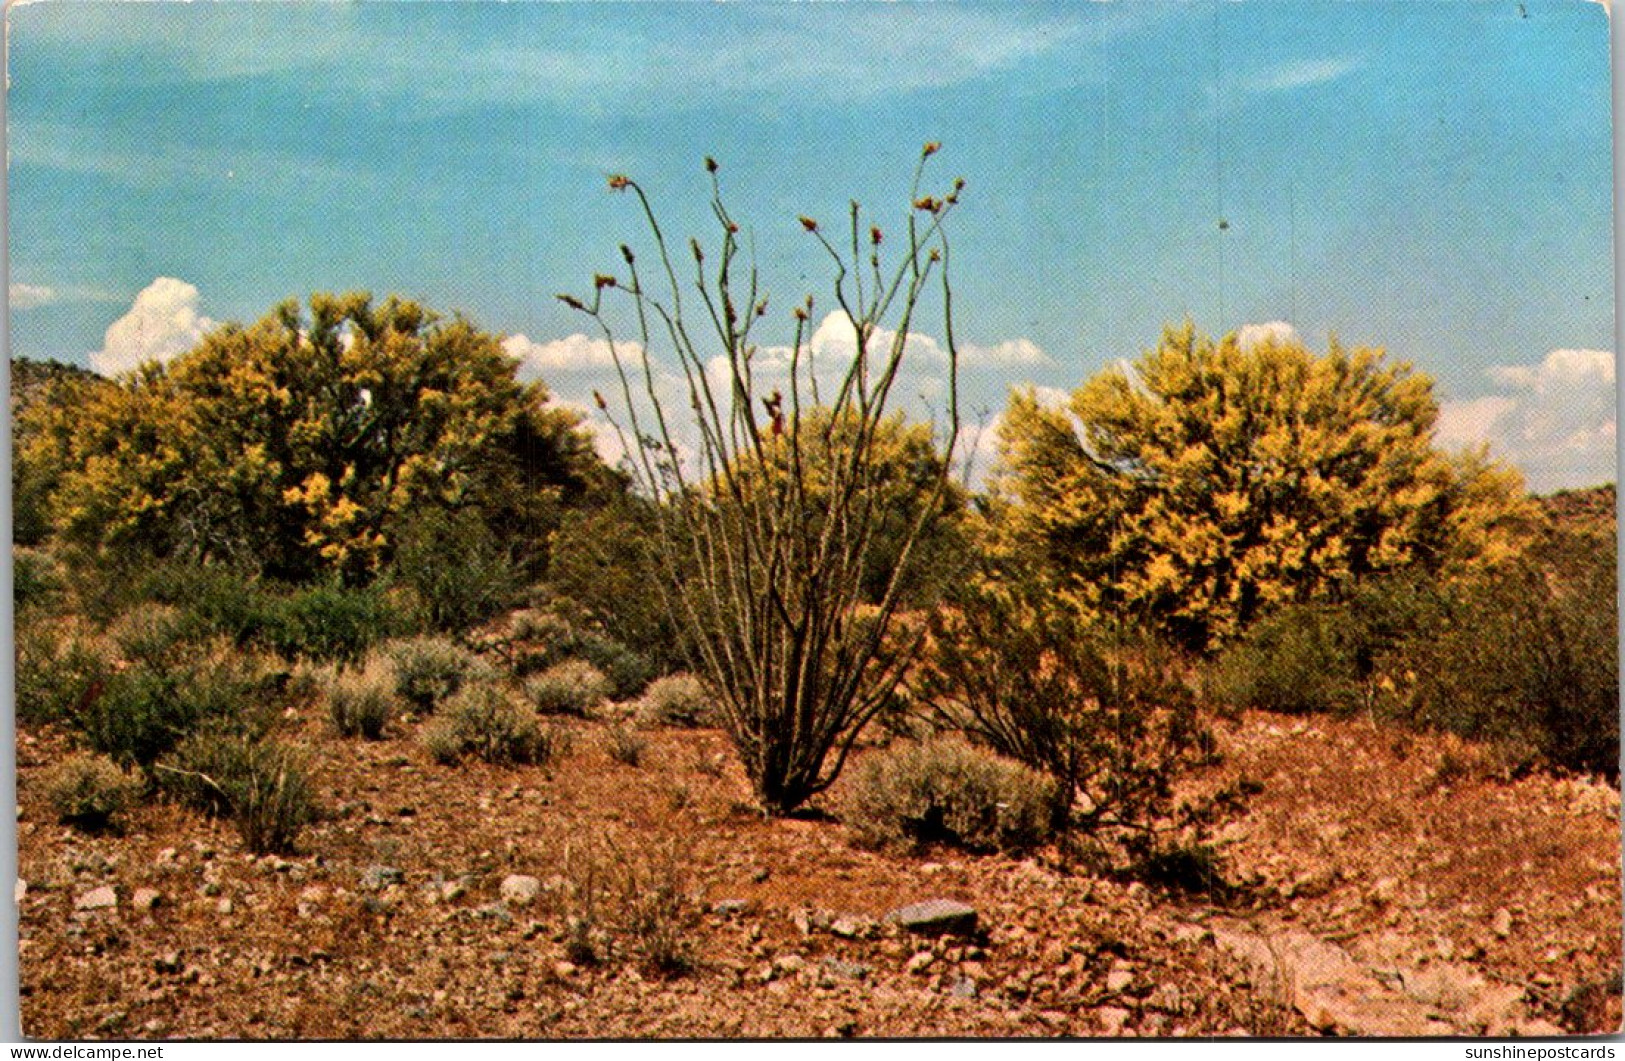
{"points": [[672, 521]]}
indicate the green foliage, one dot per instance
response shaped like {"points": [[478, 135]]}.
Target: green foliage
{"points": [[61, 666], [361, 702], [44, 398], [1214, 482], [37, 581], [303, 447], [141, 712], [1526, 652], [1297, 660], [547, 639], [574, 687], [946, 791], [89, 791], [1107, 713], [600, 560], [428, 670], [677, 700], [483, 720], [461, 570], [261, 784], [333, 624]]}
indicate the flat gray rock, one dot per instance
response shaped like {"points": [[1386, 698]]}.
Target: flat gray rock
{"points": [[936, 917]]}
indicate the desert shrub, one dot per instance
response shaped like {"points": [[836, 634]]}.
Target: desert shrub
{"points": [[573, 687], [428, 669], [36, 579], [1527, 654], [628, 671], [601, 559], [220, 599], [1292, 662], [333, 624], [946, 791], [625, 745], [632, 901], [544, 639], [89, 791], [361, 702], [138, 714], [484, 721], [676, 700], [1107, 712], [458, 568], [59, 665], [261, 784]]}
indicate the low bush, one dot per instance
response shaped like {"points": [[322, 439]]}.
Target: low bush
{"points": [[138, 714], [626, 746], [59, 666], [331, 624], [484, 721], [1297, 661], [429, 670], [37, 581], [361, 702], [1107, 712], [573, 687], [543, 639], [1526, 654], [677, 700], [946, 791], [89, 791], [261, 784]]}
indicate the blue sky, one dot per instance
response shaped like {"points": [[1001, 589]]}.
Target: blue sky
{"points": [[1431, 177]]}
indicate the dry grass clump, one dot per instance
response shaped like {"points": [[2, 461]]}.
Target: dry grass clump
{"points": [[483, 720], [261, 784], [947, 791], [361, 702], [573, 687], [677, 700], [89, 792], [429, 670]]}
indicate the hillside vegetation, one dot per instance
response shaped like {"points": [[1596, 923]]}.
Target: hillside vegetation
{"points": [[357, 696]]}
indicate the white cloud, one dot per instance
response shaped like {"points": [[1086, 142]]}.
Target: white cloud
{"points": [[1252, 335], [163, 321], [1009, 354], [27, 296], [574, 353], [836, 336], [1304, 74], [1555, 419]]}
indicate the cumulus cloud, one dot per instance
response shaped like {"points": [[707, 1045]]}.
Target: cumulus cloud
{"points": [[1554, 419], [574, 353], [27, 296], [162, 322], [1009, 354], [835, 336], [1254, 334]]}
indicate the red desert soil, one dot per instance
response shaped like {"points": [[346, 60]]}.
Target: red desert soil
{"points": [[1404, 857]]}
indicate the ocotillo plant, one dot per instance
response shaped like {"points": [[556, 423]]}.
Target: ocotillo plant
{"points": [[769, 510]]}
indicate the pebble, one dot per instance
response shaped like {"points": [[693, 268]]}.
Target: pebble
{"points": [[146, 899], [1502, 925], [102, 898], [520, 889], [920, 962]]}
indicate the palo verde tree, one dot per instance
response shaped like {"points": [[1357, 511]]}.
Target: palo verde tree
{"points": [[1214, 480], [309, 446], [774, 481]]}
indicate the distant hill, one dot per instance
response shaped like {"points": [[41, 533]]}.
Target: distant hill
{"points": [[1591, 506], [32, 380]]}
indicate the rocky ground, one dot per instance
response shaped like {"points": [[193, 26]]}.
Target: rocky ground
{"points": [[1385, 884]]}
